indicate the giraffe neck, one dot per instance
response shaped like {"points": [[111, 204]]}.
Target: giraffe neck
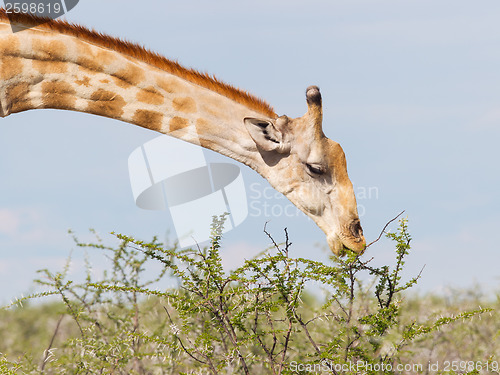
{"points": [[45, 69]]}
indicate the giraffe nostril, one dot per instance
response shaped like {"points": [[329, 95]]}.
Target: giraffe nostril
{"points": [[356, 229]]}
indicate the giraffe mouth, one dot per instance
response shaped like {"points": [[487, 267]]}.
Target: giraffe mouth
{"points": [[341, 246], [358, 246]]}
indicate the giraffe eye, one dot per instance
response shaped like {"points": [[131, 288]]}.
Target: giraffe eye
{"points": [[315, 169]]}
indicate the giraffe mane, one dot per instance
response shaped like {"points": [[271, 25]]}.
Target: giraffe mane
{"points": [[144, 54]]}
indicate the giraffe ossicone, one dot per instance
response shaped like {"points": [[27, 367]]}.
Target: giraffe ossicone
{"points": [[64, 66]]}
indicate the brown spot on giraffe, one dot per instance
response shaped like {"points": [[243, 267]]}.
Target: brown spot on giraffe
{"points": [[93, 58], [169, 85], [121, 83], [150, 95], [148, 119], [184, 104], [214, 107], [177, 123], [47, 67], [17, 96], [201, 124], [10, 67], [106, 103], [49, 56], [58, 95], [131, 74], [203, 127], [49, 50], [9, 45], [85, 81]]}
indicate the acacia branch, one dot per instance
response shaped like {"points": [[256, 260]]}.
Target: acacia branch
{"points": [[228, 327], [287, 340], [311, 340], [271, 237], [383, 230], [47, 351], [184, 348]]}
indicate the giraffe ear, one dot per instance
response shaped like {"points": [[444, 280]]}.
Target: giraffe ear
{"points": [[266, 136]]}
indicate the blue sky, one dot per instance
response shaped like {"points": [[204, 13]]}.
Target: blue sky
{"points": [[411, 90]]}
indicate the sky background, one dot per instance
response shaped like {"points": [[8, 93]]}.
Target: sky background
{"points": [[411, 90]]}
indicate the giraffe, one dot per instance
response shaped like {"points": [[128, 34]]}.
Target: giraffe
{"points": [[58, 65]]}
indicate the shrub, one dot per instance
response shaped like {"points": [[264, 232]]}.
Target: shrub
{"points": [[256, 319]]}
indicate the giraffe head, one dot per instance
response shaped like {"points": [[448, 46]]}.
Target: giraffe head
{"points": [[311, 171]]}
